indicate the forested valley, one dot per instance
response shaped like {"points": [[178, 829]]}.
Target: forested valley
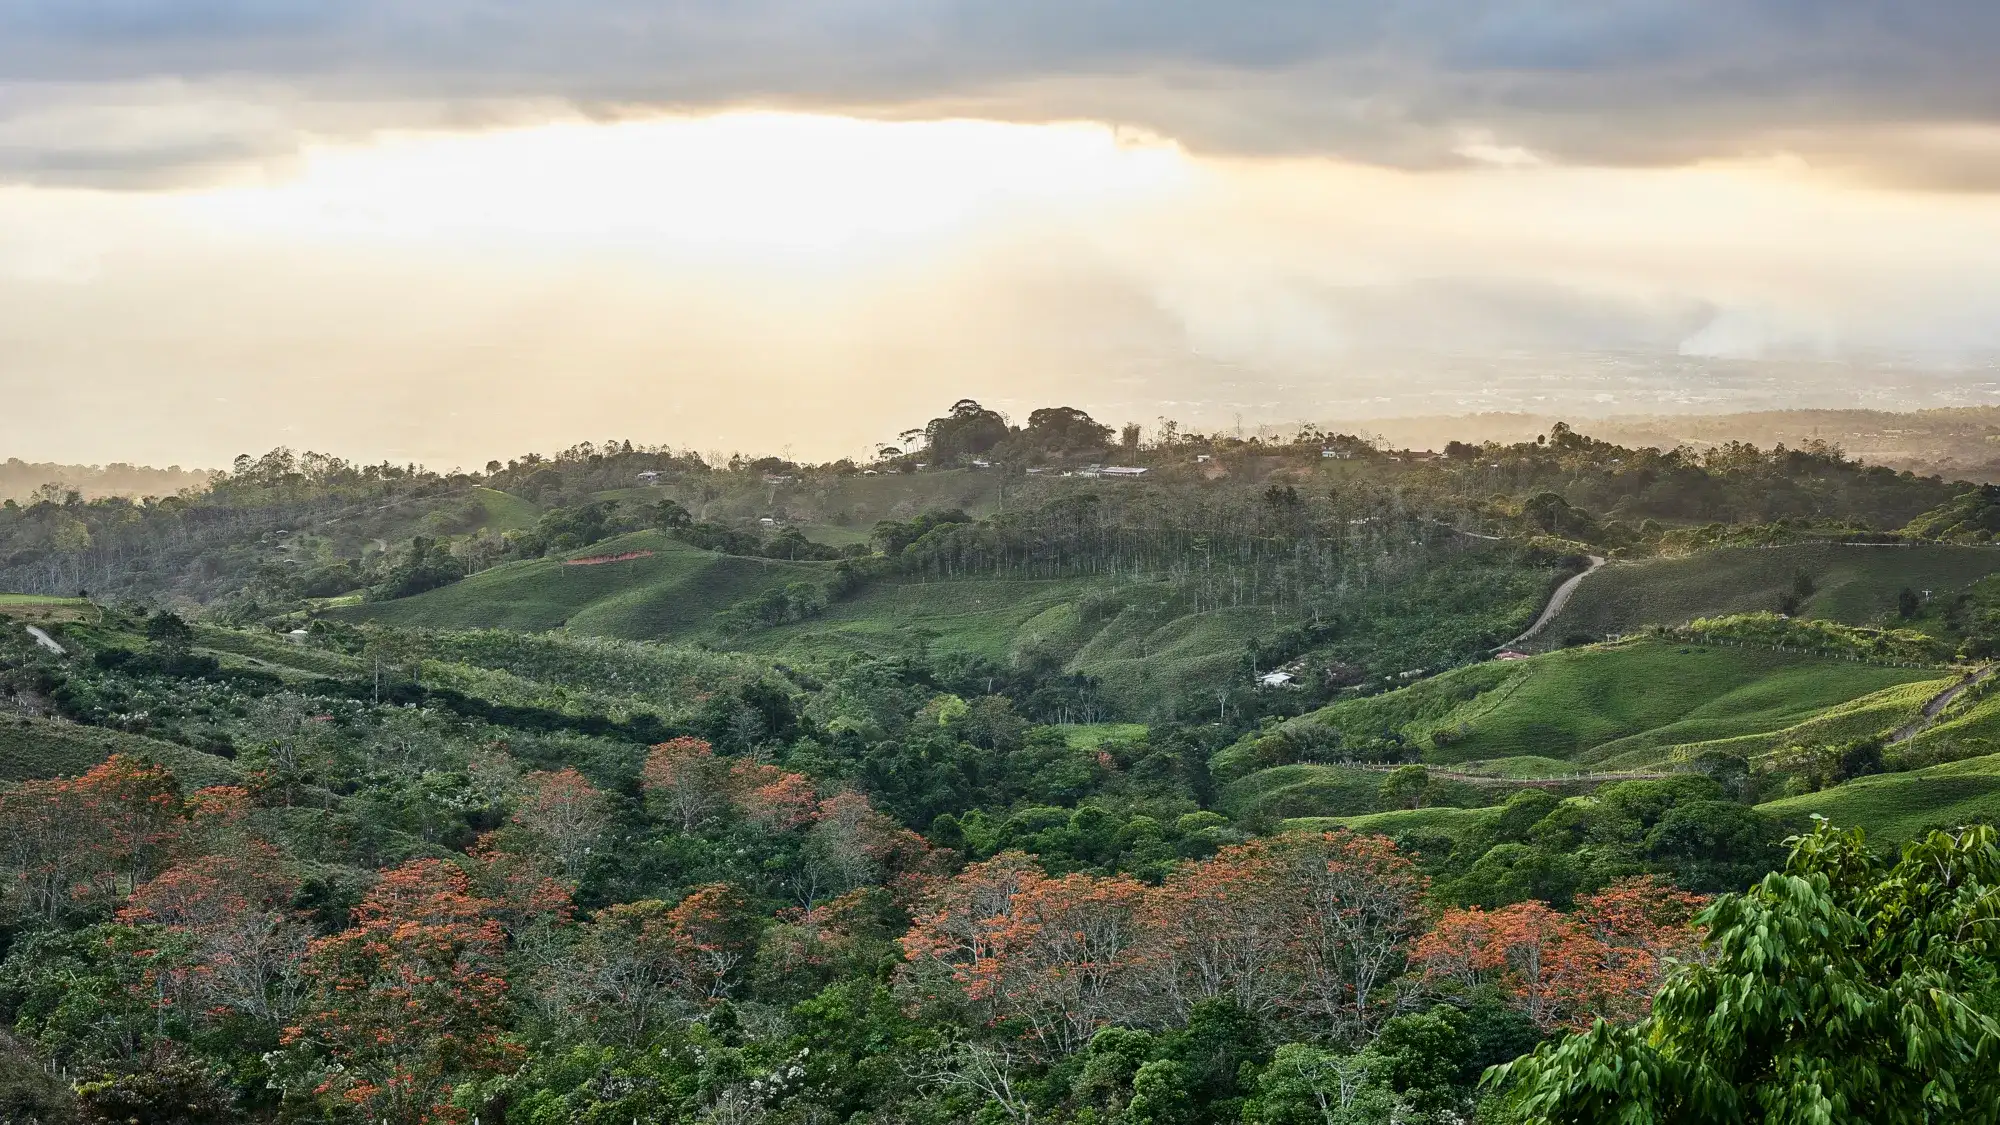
{"points": [[1034, 772]]}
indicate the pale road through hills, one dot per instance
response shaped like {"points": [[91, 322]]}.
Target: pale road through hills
{"points": [[1558, 600]]}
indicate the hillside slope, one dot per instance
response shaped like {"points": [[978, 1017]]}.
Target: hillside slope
{"points": [[1856, 585], [41, 748], [1628, 704], [1896, 806], [671, 591]]}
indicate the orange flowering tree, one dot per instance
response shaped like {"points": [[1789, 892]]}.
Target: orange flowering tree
{"points": [[1567, 969], [1060, 955], [524, 895], [243, 947], [410, 999], [69, 842], [565, 814], [637, 965], [1310, 927], [773, 799], [218, 819], [57, 857], [1358, 903], [683, 779], [1227, 929], [139, 808]]}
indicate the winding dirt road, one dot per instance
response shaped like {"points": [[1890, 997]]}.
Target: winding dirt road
{"points": [[1938, 703], [1557, 601], [46, 641]]}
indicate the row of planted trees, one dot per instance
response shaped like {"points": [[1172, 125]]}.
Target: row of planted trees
{"points": [[1275, 547]]}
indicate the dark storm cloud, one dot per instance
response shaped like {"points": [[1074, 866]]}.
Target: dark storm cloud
{"points": [[1402, 82]]}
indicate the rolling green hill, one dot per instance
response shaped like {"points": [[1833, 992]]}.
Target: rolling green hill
{"points": [[1131, 636], [672, 593], [1628, 704], [505, 511], [1857, 585], [1896, 806], [1638, 705], [1301, 790]]}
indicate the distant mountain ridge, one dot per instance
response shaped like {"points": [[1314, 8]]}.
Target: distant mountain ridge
{"points": [[19, 479]]}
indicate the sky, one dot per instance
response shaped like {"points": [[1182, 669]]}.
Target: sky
{"points": [[458, 230]]}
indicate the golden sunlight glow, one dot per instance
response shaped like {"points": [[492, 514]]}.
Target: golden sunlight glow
{"points": [[834, 271], [762, 184]]}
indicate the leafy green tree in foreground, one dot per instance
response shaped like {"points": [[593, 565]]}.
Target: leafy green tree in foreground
{"points": [[1842, 989]]}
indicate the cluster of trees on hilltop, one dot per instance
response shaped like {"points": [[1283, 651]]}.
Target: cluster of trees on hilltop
{"points": [[1732, 483], [204, 543], [1237, 546], [971, 432]]}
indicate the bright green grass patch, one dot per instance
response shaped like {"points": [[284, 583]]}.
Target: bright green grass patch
{"points": [[1397, 821], [504, 511], [1897, 806], [1137, 655], [1524, 767], [833, 535], [1286, 792], [1964, 730], [1856, 585], [38, 599], [1089, 736], [40, 748], [1876, 714]]}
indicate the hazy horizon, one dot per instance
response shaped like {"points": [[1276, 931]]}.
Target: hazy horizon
{"points": [[430, 235]]}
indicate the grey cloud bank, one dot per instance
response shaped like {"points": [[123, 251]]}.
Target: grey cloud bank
{"points": [[141, 92]]}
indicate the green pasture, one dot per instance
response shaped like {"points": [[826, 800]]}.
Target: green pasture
{"points": [[984, 616], [7, 600], [1089, 736], [1301, 790], [1968, 728], [1398, 821]]}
